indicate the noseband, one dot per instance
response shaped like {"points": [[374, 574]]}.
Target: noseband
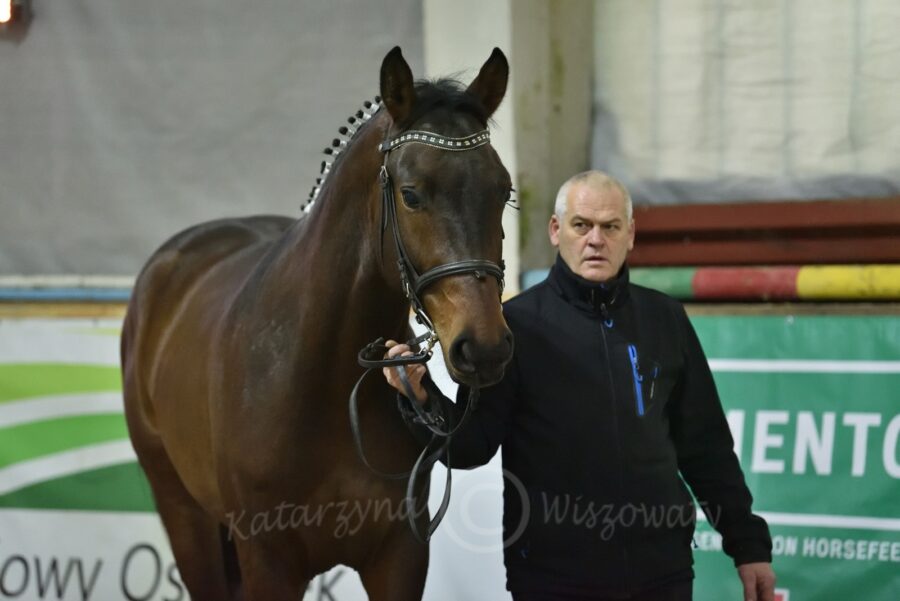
{"points": [[413, 283]]}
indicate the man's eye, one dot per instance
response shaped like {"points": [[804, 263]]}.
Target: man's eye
{"points": [[410, 199]]}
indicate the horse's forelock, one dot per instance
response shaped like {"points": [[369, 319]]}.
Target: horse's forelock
{"points": [[445, 93]]}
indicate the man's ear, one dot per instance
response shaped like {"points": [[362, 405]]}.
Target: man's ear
{"points": [[553, 230], [631, 231]]}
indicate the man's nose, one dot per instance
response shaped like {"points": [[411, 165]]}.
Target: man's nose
{"points": [[595, 237]]}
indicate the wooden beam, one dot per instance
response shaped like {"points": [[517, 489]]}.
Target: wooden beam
{"points": [[785, 215], [769, 233]]}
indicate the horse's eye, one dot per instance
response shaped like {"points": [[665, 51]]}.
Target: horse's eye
{"points": [[410, 199]]}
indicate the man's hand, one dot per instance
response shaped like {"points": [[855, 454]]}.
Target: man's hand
{"points": [[758, 580], [413, 372]]}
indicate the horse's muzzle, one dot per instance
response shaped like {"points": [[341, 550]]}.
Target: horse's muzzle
{"points": [[479, 364]]}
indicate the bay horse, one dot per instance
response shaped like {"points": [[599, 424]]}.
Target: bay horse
{"points": [[239, 350]]}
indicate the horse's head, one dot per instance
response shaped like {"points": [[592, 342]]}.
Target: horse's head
{"points": [[448, 200]]}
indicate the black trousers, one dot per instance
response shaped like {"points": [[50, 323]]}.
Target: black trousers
{"points": [[676, 591]]}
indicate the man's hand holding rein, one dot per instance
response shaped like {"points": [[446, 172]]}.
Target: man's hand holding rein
{"points": [[414, 373]]}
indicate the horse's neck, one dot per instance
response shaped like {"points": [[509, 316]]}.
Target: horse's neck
{"points": [[335, 256]]}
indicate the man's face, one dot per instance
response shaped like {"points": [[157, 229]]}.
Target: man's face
{"points": [[595, 235]]}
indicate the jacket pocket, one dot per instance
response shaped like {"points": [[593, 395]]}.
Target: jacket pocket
{"points": [[648, 382], [637, 380]]}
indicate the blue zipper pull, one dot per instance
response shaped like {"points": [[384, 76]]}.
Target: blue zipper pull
{"points": [[635, 374], [607, 320]]}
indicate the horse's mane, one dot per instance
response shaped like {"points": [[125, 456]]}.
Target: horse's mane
{"points": [[346, 133], [444, 93]]}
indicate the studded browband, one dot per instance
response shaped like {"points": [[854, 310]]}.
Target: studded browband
{"points": [[437, 141]]}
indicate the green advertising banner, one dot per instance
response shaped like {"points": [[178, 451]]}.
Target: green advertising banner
{"points": [[814, 406]]}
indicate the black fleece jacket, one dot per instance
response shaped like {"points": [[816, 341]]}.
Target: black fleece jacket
{"points": [[607, 408]]}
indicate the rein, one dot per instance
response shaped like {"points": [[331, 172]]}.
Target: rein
{"points": [[371, 357]]}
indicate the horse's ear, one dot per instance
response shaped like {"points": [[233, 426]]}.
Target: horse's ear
{"points": [[490, 85], [397, 91]]}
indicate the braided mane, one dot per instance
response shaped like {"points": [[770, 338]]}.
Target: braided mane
{"points": [[430, 95], [346, 133]]}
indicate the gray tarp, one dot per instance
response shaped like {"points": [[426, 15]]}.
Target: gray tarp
{"points": [[724, 100], [123, 122]]}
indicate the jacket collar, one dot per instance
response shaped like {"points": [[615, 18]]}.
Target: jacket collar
{"points": [[595, 297]]}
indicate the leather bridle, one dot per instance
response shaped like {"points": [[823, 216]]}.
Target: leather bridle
{"points": [[372, 356], [412, 282]]}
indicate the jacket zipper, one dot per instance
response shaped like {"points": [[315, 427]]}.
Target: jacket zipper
{"points": [[626, 568], [637, 378]]}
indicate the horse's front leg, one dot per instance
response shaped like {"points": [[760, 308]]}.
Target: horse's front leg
{"points": [[270, 570], [397, 570]]}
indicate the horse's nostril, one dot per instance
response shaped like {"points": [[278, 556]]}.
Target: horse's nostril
{"points": [[461, 355]]}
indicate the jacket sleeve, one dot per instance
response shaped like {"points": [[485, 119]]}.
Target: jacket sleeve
{"points": [[478, 439], [706, 456]]}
